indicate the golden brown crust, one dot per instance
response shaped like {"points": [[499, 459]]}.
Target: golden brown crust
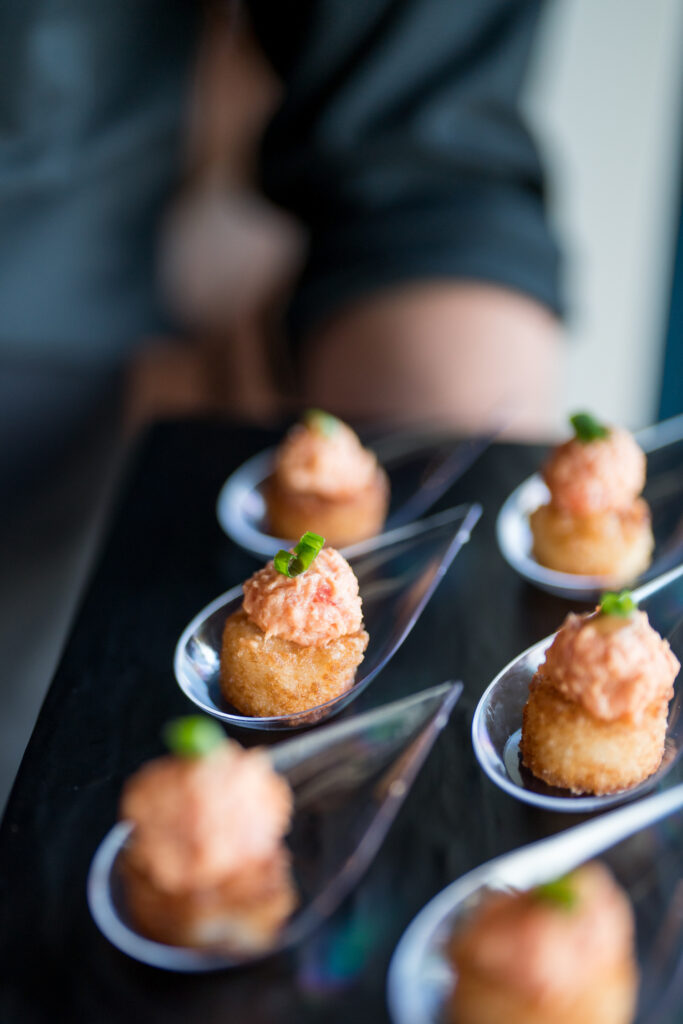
{"points": [[610, 1000], [566, 746], [242, 913], [340, 520], [617, 544], [265, 676]]}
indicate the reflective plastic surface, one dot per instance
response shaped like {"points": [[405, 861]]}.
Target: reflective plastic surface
{"points": [[663, 492], [396, 581], [497, 722], [420, 471], [348, 779], [644, 861]]}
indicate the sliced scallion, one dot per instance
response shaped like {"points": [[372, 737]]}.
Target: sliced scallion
{"points": [[192, 736], [293, 563], [561, 892], [587, 428], [322, 422], [618, 604]]}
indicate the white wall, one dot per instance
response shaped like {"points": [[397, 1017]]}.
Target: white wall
{"points": [[605, 101]]}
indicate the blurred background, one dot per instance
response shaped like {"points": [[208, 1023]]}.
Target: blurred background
{"points": [[602, 93], [604, 98]]}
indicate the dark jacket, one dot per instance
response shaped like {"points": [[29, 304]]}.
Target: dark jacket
{"points": [[398, 143]]}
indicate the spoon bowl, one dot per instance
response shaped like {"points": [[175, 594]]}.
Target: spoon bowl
{"points": [[497, 722], [663, 444], [421, 977], [396, 579], [420, 471], [348, 780]]}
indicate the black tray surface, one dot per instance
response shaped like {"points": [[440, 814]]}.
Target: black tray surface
{"points": [[165, 556]]}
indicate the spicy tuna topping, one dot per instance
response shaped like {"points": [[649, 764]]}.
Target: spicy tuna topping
{"points": [[319, 605], [612, 666], [596, 476], [198, 820], [331, 464]]}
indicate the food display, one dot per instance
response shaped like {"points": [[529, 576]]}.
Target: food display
{"points": [[596, 717], [325, 480], [205, 865], [298, 638], [595, 523], [560, 953]]}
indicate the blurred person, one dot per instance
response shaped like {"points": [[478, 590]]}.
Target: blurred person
{"points": [[429, 262], [429, 288], [397, 144]]}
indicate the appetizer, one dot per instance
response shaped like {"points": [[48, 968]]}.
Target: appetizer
{"points": [[561, 953], [324, 480], [205, 865], [298, 638], [595, 720], [595, 523]]}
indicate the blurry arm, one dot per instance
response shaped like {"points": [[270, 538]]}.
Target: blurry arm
{"points": [[399, 145], [465, 355]]}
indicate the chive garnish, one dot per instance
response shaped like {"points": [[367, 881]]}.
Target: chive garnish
{"points": [[561, 892], [618, 604], [322, 422], [293, 563], [192, 736], [587, 428]]}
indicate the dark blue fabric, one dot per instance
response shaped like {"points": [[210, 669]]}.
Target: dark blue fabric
{"points": [[671, 400], [92, 110], [398, 143]]}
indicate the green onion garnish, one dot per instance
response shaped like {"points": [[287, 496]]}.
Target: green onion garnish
{"points": [[618, 604], [192, 736], [293, 563], [322, 422], [587, 428], [560, 892]]}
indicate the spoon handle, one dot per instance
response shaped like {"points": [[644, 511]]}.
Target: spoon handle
{"points": [[658, 583], [550, 858], [441, 477], [659, 435], [469, 513]]}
